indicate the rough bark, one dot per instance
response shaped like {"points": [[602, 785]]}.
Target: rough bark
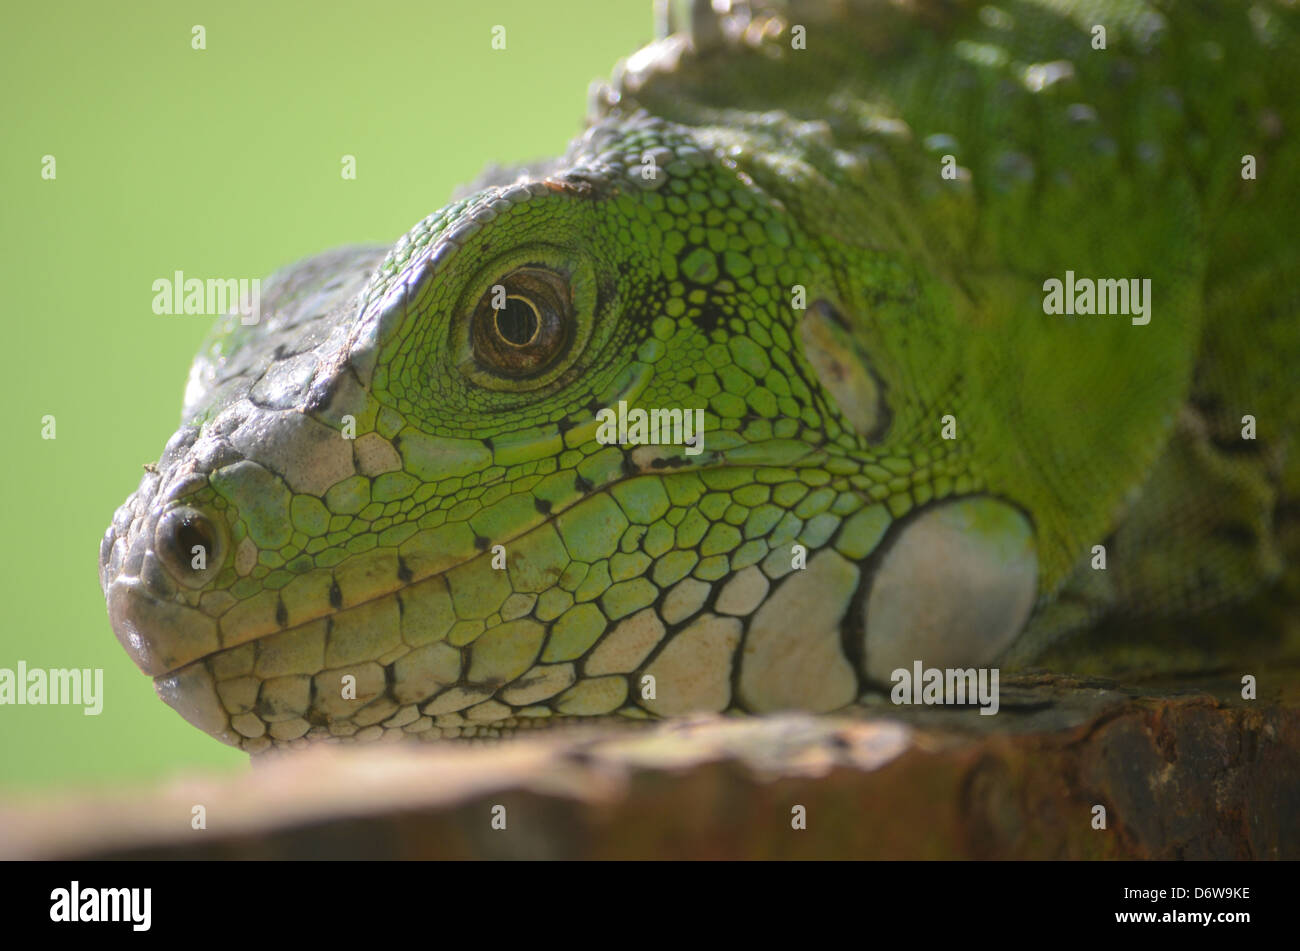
{"points": [[1181, 773]]}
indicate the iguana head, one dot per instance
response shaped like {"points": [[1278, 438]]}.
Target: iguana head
{"points": [[417, 497]]}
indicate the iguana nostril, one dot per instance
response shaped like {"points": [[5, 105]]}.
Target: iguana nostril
{"points": [[190, 545]]}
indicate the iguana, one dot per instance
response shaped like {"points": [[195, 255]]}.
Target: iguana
{"points": [[881, 247]]}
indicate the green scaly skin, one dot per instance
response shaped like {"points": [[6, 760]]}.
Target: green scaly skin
{"points": [[781, 177]]}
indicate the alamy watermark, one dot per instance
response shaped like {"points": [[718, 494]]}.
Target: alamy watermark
{"points": [[656, 427], [83, 687], [103, 904], [214, 297], [953, 686], [1085, 296]]}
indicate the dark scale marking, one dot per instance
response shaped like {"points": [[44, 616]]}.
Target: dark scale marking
{"points": [[480, 542], [881, 429], [1070, 596], [673, 462], [853, 625], [582, 484], [261, 708], [708, 317], [542, 505], [403, 571], [281, 613], [1242, 535], [824, 306], [322, 393], [314, 715], [336, 596], [1286, 510], [1239, 446]]}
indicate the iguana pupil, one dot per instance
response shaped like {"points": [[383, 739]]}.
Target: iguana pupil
{"points": [[193, 534], [517, 323]]}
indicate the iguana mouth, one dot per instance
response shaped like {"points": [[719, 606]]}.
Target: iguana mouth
{"points": [[163, 634], [236, 691]]}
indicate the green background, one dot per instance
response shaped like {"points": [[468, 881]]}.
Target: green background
{"points": [[223, 162]]}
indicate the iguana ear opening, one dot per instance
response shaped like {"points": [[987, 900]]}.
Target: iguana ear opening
{"points": [[844, 371]]}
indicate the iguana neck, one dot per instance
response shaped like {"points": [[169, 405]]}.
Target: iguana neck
{"points": [[1104, 162]]}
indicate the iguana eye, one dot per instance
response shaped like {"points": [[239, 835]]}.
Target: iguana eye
{"points": [[523, 323]]}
